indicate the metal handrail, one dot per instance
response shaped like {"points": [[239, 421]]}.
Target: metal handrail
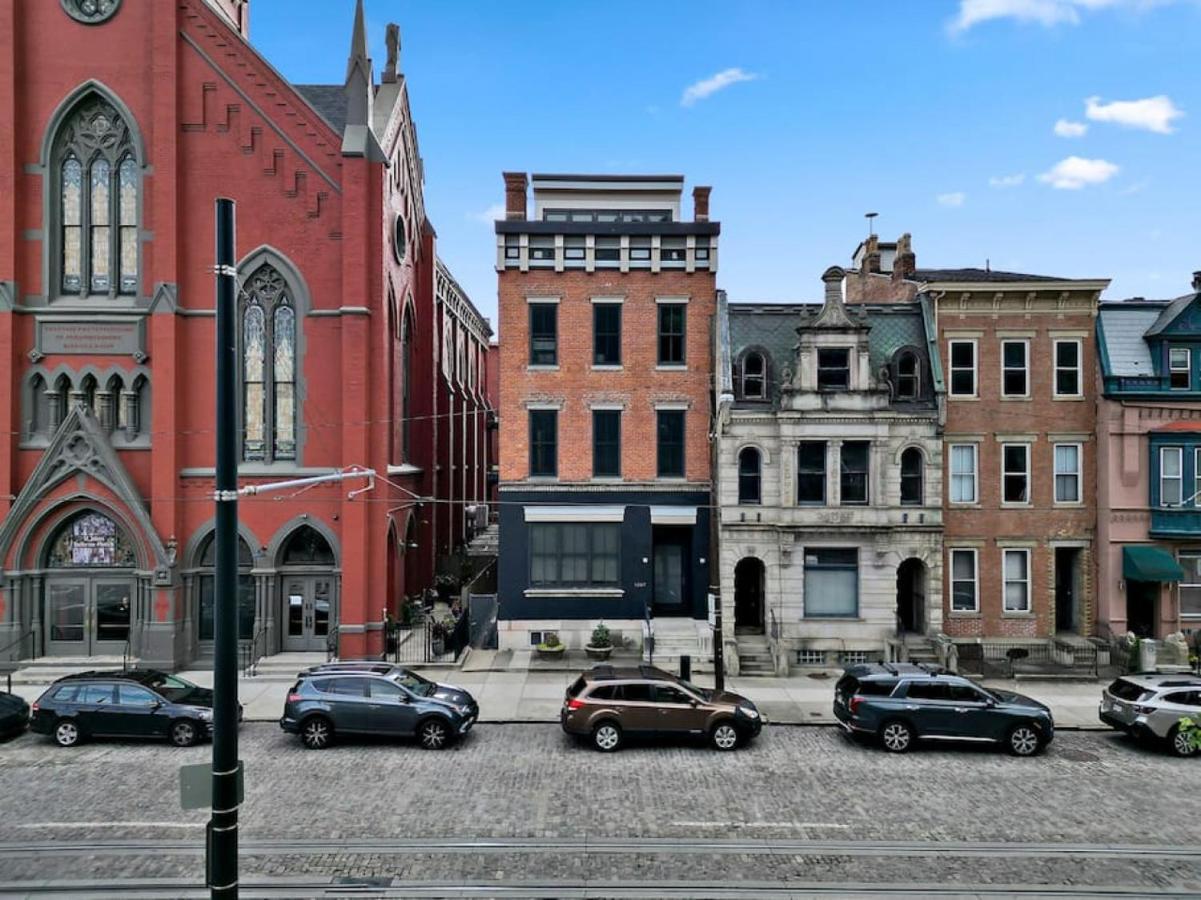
{"points": [[251, 662], [775, 626], [13, 643], [126, 653]]}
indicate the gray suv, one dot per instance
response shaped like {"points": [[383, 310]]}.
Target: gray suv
{"points": [[903, 703], [1150, 705], [365, 701]]}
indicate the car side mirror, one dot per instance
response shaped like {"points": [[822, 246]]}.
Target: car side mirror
{"points": [[694, 703]]}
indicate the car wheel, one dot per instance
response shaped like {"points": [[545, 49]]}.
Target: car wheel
{"points": [[183, 733], [434, 734], [606, 737], [724, 736], [1024, 740], [316, 733], [1180, 743], [896, 736], [66, 733]]}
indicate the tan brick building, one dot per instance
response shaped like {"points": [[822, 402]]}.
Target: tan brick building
{"points": [[607, 302], [1020, 484]]}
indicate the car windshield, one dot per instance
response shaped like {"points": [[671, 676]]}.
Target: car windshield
{"points": [[703, 693], [414, 683], [172, 687]]}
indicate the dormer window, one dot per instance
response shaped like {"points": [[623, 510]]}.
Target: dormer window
{"points": [[908, 377], [1180, 368], [754, 376], [833, 368]]}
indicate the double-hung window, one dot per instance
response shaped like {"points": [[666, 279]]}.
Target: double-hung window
{"points": [[1017, 581], [671, 334], [1015, 473], [671, 443], [1171, 476], [833, 368], [963, 473], [606, 443], [811, 472], [965, 592], [544, 443], [1067, 368], [1015, 368], [1180, 368], [606, 334], [1067, 473], [853, 473], [575, 554], [831, 582], [1190, 584], [963, 368], [544, 334]]}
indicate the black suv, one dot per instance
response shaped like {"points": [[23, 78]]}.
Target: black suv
{"points": [[128, 703], [379, 699], [902, 703]]}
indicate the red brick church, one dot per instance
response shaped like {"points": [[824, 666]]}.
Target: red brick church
{"points": [[123, 120]]}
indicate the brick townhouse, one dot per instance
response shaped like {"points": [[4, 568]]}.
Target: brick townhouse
{"points": [[607, 300], [1020, 482]]}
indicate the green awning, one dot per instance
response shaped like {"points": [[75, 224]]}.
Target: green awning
{"points": [[1149, 564]]}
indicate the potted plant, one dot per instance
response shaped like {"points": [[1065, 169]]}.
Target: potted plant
{"points": [[601, 644], [551, 647], [447, 584], [439, 632]]}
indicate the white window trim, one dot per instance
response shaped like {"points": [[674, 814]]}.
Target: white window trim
{"points": [[1029, 475], [1179, 451], [1005, 580], [673, 300], [607, 300], [1025, 368], [1079, 473], [1079, 369], [1188, 367], [580, 513], [1187, 617], [541, 299], [975, 368], [975, 580], [673, 404], [975, 475]]}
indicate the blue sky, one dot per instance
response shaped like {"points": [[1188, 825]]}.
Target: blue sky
{"points": [[940, 115]]}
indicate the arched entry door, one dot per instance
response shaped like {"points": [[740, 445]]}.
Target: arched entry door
{"points": [[89, 590], [307, 591], [911, 596], [206, 595], [749, 603]]}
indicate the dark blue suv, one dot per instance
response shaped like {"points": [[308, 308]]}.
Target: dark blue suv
{"points": [[903, 703]]}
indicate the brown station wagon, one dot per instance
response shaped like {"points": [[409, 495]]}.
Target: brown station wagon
{"points": [[608, 703]]}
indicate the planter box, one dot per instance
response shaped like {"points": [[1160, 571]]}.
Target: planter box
{"points": [[551, 653], [598, 653]]}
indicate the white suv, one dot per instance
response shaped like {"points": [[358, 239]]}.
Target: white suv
{"points": [[1150, 705]]}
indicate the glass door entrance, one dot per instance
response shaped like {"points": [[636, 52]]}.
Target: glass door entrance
{"points": [[308, 608], [88, 616]]}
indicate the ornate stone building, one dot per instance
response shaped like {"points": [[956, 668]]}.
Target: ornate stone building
{"points": [[829, 478], [108, 175]]}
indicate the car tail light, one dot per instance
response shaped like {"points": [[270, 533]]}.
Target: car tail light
{"points": [[853, 705], [35, 707], [1144, 710], [574, 703], [294, 698]]}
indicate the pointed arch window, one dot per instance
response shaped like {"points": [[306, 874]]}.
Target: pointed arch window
{"points": [[268, 367], [406, 386], [96, 189]]}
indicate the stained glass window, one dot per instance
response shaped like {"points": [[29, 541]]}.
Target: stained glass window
{"points": [[98, 207], [285, 382], [91, 539], [269, 368], [254, 343]]}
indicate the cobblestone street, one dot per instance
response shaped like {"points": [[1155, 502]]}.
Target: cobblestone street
{"points": [[800, 806]]}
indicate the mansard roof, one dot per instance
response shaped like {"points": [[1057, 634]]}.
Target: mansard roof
{"points": [[1125, 329]]}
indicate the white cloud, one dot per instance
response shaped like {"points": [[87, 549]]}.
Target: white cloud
{"points": [[1007, 181], [1150, 114], [1068, 129], [955, 198], [1135, 187], [489, 215], [1075, 172], [707, 87], [1040, 12]]}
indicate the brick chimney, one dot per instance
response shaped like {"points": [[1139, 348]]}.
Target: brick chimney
{"points": [[700, 203], [904, 265], [515, 190], [871, 255]]}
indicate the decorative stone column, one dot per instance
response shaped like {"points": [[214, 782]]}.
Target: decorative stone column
{"points": [[55, 411], [105, 410], [129, 401]]}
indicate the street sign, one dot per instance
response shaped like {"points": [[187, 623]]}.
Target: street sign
{"points": [[196, 785]]}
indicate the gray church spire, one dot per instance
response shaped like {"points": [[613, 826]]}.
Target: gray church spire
{"points": [[358, 139]]}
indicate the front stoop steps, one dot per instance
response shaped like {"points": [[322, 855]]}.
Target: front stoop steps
{"points": [[754, 656]]}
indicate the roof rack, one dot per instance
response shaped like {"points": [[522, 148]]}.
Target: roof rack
{"points": [[889, 668], [929, 669]]}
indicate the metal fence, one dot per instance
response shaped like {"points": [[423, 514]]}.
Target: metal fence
{"points": [[481, 614]]}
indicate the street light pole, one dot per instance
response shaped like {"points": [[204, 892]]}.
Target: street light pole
{"points": [[223, 826]]}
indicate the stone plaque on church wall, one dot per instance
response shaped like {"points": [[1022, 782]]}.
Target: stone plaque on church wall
{"points": [[90, 337]]}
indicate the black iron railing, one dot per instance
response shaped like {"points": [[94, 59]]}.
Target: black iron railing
{"points": [[251, 652], [17, 641]]}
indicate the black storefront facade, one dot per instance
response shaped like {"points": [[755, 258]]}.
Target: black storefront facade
{"points": [[569, 559]]}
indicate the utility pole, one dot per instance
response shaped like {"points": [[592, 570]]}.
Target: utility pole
{"points": [[223, 826]]}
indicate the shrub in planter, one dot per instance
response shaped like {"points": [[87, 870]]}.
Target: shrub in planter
{"points": [[551, 646], [601, 644]]}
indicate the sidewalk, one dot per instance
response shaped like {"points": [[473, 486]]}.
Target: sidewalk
{"points": [[512, 687]]}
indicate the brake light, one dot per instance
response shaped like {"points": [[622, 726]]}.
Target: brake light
{"points": [[294, 698], [1144, 710], [35, 707], [573, 703], [853, 706]]}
